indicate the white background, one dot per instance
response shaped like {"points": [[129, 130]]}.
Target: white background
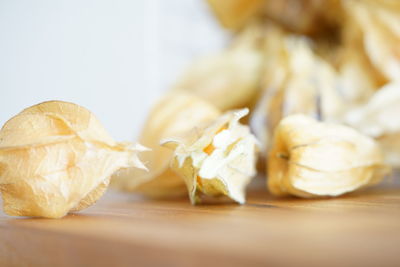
{"points": [[114, 57]]}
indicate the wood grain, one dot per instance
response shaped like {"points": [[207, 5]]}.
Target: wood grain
{"points": [[359, 229]]}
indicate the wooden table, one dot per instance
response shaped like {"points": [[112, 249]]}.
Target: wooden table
{"points": [[358, 229]]}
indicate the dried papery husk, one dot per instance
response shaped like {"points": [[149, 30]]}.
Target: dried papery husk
{"points": [[235, 14], [379, 118], [56, 157], [312, 86], [229, 79], [298, 81], [379, 21], [312, 159], [218, 160], [174, 115]]}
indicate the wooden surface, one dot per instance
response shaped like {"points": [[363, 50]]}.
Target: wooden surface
{"points": [[359, 229]]}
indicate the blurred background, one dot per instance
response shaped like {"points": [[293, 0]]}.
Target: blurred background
{"points": [[115, 58]]}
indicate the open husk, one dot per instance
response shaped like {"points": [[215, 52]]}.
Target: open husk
{"points": [[311, 159], [56, 157], [173, 116], [218, 160]]}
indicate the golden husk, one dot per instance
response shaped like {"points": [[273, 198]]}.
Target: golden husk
{"points": [[56, 157]]}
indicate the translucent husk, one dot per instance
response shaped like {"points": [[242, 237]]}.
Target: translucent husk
{"points": [[295, 81], [379, 118], [310, 159], [234, 72], [56, 157], [173, 116], [218, 160]]}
